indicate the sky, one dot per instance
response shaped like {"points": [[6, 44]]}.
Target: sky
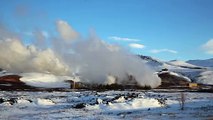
{"points": [[163, 29]]}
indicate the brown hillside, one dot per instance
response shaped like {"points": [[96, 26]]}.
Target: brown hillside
{"points": [[169, 80], [10, 78]]}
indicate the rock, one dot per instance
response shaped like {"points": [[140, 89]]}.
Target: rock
{"points": [[79, 106], [12, 101], [2, 100]]}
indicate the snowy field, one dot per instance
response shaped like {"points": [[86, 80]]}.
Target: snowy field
{"points": [[107, 105]]}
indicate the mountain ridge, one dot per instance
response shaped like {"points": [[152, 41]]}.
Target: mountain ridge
{"points": [[204, 63]]}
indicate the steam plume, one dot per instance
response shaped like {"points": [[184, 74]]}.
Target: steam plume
{"points": [[66, 31], [93, 59]]}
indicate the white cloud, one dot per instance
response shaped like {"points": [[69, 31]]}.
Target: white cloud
{"points": [[123, 39], [163, 50], [208, 46], [136, 45], [43, 33], [66, 31]]}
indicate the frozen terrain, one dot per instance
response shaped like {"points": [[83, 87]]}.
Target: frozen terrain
{"points": [[107, 105], [204, 63], [199, 71]]}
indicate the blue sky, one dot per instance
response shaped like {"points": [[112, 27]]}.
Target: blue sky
{"points": [[165, 29]]}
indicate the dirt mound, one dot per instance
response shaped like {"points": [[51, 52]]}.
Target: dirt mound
{"points": [[169, 80], [12, 82], [10, 78]]}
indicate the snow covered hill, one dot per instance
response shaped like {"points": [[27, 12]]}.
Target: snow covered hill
{"points": [[200, 71], [183, 64], [152, 62], [204, 63]]}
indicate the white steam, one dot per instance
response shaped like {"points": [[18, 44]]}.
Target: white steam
{"points": [[66, 31], [16, 57], [99, 61], [94, 60]]}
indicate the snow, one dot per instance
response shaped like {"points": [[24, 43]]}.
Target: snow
{"points": [[46, 80], [177, 75], [181, 76], [206, 77], [130, 105], [4, 72], [145, 105], [204, 63], [203, 76], [199, 71], [44, 102], [121, 99], [181, 63]]}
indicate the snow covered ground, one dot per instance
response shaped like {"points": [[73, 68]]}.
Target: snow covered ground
{"points": [[107, 105]]}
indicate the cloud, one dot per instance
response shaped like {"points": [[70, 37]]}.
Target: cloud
{"points": [[163, 50], [123, 39], [66, 31], [136, 45], [208, 47], [42, 33]]}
